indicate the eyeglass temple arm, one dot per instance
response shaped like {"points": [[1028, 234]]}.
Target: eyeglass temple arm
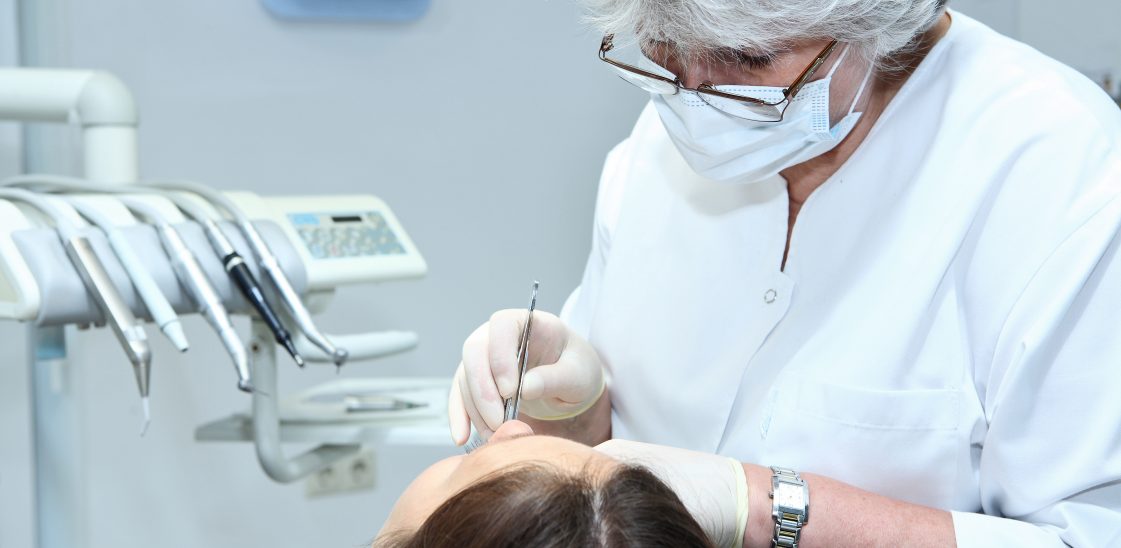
{"points": [[608, 43], [801, 81]]}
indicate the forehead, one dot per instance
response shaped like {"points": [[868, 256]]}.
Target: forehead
{"points": [[522, 446], [564, 455]]}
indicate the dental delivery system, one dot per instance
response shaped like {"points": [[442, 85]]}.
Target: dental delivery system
{"points": [[56, 272], [232, 261]]}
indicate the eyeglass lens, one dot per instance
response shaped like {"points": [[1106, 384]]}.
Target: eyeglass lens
{"points": [[635, 65], [728, 105]]}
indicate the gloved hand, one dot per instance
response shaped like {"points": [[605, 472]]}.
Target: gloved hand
{"points": [[564, 375], [713, 488]]}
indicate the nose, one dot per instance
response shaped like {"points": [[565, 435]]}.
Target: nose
{"points": [[512, 429]]}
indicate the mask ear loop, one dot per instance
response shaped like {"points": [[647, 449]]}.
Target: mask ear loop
{"points": [[840, 60], [863, 85]]}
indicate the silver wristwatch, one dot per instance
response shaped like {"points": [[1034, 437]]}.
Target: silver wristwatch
{"points": [[790, 506]]}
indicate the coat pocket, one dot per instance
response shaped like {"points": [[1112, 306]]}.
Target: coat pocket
{"points": [[898, 443]]}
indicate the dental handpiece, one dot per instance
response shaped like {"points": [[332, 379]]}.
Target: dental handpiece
{"points": [[289, 297], [117, 312], [98, 283], [194, 279], [267, 260], [243, 278], [154, 300], [247, 283], [208, 301]]}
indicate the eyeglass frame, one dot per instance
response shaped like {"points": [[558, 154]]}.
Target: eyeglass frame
{"points": [[789, 93]]}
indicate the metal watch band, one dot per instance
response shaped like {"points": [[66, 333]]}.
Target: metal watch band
{"points": [[788, 520]]}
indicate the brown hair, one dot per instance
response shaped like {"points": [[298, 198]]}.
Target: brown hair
{"points": [[534, 505]]}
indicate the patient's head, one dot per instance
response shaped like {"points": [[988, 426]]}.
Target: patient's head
{"points": [[526, 490]]}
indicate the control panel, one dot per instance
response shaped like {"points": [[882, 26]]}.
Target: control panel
{"points": [[343, 240], [338, 235]]}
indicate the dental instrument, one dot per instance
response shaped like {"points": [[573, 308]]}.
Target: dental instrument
{"points": [[268, 262], [511, 405], [194, 279], [368, 404], [239, 272], [118, 315], [154, 300]]}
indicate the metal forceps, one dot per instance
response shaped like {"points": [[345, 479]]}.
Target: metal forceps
{"points": [[510, 405]]}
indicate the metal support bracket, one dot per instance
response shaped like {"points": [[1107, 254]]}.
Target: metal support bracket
{"points": [[266, 419]]}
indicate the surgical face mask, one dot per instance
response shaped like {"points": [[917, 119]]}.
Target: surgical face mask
{"points": [[727, 148]]}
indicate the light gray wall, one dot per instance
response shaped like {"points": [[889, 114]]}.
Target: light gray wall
{"points": [[1085, 34], [15, 416], [483, 125]]}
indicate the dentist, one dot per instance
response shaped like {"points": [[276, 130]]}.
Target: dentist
{"points": [[867, 248]]}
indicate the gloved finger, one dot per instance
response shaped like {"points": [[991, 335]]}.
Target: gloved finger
{"points": [[566, 381], [472, 409], [459, 422], [505, 336], [548, 338], [479, 382]]}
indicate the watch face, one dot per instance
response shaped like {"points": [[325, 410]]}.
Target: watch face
{"points": [[790, 496]]}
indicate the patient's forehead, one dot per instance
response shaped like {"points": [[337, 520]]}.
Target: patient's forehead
{"points": [[551, 450]]}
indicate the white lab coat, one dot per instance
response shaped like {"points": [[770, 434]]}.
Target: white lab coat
{"points": [[947, 330]]}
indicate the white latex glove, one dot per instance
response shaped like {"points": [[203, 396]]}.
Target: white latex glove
{"points": [[564, 375], [713, 488]]}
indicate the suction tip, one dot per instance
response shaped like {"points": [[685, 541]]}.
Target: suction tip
{"points": [[147, 415], [245, 386]]}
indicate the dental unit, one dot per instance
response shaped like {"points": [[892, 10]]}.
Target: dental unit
{"points": [[183, 248]]}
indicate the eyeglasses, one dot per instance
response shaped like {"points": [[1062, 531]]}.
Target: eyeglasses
{"points": [[743, 106]]}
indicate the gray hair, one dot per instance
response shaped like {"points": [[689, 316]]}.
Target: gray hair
{"points": [[877, 28]]}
